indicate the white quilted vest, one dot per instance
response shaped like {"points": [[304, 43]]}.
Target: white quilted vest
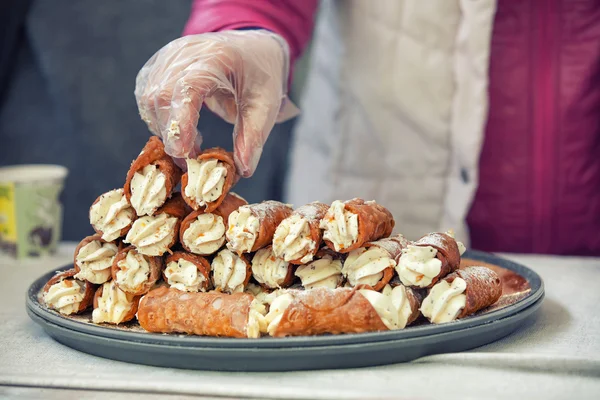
{"points": [[394, 109]]}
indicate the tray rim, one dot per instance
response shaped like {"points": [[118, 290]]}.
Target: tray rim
{"points": [[535, 281]]}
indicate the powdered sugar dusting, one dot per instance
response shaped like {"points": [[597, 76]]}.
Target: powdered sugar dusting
{"points": [[314, 211], [261, 210], [482, 274], [393, 245]]}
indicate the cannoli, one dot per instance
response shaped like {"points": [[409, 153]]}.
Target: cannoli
{"points": [[66, 294], [251, 227], [398, 307], [113, 306], [93, 259], [204, 232], [298, 237], [325, 271], [230, 272], [207, 314], [154, 235], [462, 293], [151, 178], [349, 225], [270, 271], [111, 215], [135, 273], [208, 179], [429, 259], [373, 264], [187, 272]]}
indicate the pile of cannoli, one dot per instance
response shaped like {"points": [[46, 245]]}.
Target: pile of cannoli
{"points": [[203, 261]]}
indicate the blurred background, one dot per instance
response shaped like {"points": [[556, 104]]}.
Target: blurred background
{"points": [[72, 65]]}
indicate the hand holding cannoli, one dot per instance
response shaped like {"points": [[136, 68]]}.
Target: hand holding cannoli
{"points": [[113, 306], [207, 314], [462, 293], [154, 235], [66, 294], [349, 225], [135, 273], [251, 227], [429, 259], [151, 178], [325, 271], [187, 272], [230, 272], [93, 259], [204, 232], [270, 271], [208, 179], [111, 215], [373, 264]]}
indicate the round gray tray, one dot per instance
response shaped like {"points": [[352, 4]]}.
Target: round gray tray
{"points": [[296, 353]]}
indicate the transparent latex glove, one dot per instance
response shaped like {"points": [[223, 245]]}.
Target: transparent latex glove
{"points": [[240, 75]]}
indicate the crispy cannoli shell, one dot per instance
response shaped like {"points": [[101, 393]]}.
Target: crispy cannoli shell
{"points": [[320, 311], [200, 262], [134, 304], [393, 246], [154, 153], [448, 253], [230, 179], [270, 214], [484, 288], [155, 263], [289, 277], [123, 231], [86, 240], [374, 222], [88, 296], [313, 213], [415, 298], [208, 314], [231, 203]]}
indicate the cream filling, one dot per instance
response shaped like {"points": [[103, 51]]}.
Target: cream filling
{"points": [[205, 235], [340, 226], [205, 180], [152, 235], [418, 265], [148, 190], [292, 240], [133, 272], [229, 272], [445, 301], [276, 310], [65, 296], [95, 260], [262, 295], [184, 275], [268, 269], [111, 214], [113, 305], [257, 323], [242, 230], [392, 305], [325, 272], [366, 266]]}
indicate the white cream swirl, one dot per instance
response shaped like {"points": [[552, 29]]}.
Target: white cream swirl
{"points": [[111, 213], [276, 310], [205, 180], [65, 296], [392, 305], [445, 301], [148, 190], [292, 240], [205, 235], [229, 272], [324, 272], [152, 235], [418, 266], [257, 323], [242, 230], [113, 305], [268, 269], [340, 226], [184, 275], [95, 260], [134, 271], [366, 266]]}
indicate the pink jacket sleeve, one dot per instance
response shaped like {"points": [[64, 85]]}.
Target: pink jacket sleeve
{"points": [[292, 19]]}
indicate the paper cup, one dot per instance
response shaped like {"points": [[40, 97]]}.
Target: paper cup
{"points": [[30, 209]]}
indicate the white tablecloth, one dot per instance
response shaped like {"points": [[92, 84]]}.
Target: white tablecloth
{"points": [[556, 354]]}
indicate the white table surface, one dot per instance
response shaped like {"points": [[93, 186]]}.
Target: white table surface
{"points": [[556, 354]]}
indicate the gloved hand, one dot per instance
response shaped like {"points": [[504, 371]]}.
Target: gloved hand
{"points": [[240, 75]]}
